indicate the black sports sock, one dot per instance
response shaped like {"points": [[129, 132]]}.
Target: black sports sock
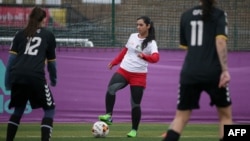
{"points": [[172, 136], [136, 117], [221, 139], [12, 127], [46, 129]]}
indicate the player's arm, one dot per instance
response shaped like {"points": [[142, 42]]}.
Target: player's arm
{"points": [[221, 47], [12, 57], [52, 72], [183, 40], [221, 40], [153, 58], [51, 60], [118, 58], [222, 54]]}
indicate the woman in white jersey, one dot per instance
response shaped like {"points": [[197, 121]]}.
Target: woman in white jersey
{"points": [[141, 49]]}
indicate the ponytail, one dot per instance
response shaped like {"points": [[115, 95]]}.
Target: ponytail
{"points": [[35, 18], [207, 7]]}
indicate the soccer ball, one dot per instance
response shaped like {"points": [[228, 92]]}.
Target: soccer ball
{"points": [[100, 129]]}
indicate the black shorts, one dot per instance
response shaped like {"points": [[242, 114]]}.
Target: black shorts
{"points": [[37, 93], [189, 95]]}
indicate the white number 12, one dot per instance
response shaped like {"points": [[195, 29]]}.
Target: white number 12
{"points": [[32, 49], [196, 33]]}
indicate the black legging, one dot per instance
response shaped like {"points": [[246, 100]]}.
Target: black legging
{"points": [[118, 82]]}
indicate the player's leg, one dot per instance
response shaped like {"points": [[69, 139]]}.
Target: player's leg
{"points": [[221, 98], [18, 101], [177, 125], [188, 99], [42, 97], [136, 97], [14, 122], [48, 106], [225, 118], [116, 83], [47, 124]]}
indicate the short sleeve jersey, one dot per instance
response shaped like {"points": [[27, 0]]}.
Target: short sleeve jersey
{"points": [[32, 53], [201, 62], [131, 62]]}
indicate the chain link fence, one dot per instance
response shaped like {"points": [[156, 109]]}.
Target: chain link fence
{"points": [[108, 23]]}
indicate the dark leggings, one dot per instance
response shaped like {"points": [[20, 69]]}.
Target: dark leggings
{"points": [[118, 82]]}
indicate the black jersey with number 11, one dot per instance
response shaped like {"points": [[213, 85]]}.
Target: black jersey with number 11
{"points": [[198, 36]]}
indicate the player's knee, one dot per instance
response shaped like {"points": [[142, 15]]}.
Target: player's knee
{"points": [[110, 92], [134, 105], [15, 120], [49, 113], [112, 89]]}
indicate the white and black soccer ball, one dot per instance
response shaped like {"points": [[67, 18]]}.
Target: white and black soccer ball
{"points": [[100, 129]]}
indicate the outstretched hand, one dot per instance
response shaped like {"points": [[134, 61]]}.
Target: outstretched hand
{"points": [[224, 79], [110, 66]]}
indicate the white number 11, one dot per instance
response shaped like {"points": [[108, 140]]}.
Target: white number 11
{"points": [[196, 36]]}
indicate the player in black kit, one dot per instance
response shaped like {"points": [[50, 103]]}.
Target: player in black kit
{"points": [[203, 32], [32, 48]]}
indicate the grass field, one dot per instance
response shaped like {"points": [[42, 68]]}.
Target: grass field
{"points": [[118, 131]]}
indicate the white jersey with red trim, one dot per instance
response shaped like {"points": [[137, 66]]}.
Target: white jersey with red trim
{"points": [[131, 62]]}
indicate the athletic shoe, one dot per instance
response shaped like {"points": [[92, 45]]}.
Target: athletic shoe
{"points": [[106, 118], [132, 133]]}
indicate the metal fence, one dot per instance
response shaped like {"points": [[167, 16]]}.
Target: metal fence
{"points": [[108, 23]]}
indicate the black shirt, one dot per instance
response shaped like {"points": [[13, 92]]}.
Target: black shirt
{"points": [[32, 54], [201, 62]]}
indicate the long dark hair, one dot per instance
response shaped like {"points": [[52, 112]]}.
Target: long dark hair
{"points": [[35, 18], [207, 7], [151, 31]]}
